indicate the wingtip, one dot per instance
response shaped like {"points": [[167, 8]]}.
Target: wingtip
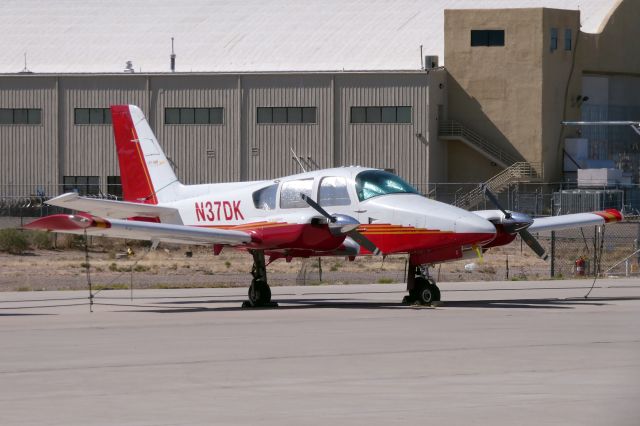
{"points": [[610, 215]]}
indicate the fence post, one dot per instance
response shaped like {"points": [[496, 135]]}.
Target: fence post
{"points": [[553, 254], [595, 249], [507, 267]]}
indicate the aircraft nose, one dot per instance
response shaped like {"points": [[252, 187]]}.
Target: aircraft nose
{"points": [[473, 224]]}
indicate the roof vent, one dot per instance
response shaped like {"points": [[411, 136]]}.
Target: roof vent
{"points": [[430, 62], [129, 67]]}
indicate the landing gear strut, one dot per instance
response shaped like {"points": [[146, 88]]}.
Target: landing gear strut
{"points": [[421, 287], [259, 290]]}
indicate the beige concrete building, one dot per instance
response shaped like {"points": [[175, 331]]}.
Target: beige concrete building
{"points": [[515, 95]]}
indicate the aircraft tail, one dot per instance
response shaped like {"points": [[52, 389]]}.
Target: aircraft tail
{"points": [[146, 174]]}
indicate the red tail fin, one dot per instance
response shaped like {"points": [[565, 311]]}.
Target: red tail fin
{"points": [[134, 174]]}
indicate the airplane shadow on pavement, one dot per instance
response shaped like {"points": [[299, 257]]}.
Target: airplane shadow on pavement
{"points": [[344, 303]]}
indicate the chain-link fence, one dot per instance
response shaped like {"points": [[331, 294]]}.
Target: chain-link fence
{"points": [[544, 199], [608, 251], [17, 209], [611, 249]]}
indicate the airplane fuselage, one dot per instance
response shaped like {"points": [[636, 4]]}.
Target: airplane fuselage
{"points": [[273, 211]]}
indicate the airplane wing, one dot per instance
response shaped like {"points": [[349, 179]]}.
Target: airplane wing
{"points": [[113, 208], [138, 230], [554, 223]]}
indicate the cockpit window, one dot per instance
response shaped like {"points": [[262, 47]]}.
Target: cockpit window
{"points": [[265, 198], [372, 183]]}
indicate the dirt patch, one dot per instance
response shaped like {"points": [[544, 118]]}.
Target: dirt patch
{"points": [[171, 268]]}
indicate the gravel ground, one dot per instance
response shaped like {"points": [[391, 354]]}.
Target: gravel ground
{"points": [[164, 268]]}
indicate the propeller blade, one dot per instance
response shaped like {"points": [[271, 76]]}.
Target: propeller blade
{"points": [[364, 242], [354, 234], [494, 201], [317, 207], [533, 243]]}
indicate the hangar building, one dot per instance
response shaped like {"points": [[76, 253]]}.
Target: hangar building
{"points": [[437, 91]]}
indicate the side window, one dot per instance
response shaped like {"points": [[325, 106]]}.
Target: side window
{"points": [[554, 39], [265, 198], [567, 39], [333, 192], [290, 193]]}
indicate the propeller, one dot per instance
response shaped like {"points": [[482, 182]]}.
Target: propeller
{"points": [[518, 223], [494, 200], [342, 224], [533, 243]]}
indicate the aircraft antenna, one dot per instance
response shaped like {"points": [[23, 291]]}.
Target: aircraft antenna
{"points": [[173, 57], [26, 69], [295, 157]]}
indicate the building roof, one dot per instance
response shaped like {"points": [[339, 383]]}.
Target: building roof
{"points": [[96, 36]]}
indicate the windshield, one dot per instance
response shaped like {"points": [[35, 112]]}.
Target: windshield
{"points": [[372, 183]]}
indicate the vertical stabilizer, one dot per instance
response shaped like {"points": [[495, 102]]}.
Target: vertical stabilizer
{"points": [[146, 174]]}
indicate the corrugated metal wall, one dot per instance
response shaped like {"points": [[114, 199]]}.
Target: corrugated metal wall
{"points": [[29, 153], [438, 110], [202, 153], [238, 149], [89, 150], [393, 146], [269, 145]]}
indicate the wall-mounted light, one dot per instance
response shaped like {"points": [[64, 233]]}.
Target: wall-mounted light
{"points": [[579, 100]]}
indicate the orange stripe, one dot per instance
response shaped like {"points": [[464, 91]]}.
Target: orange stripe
{"points": [[248, 225], [152, 192], [610, 215], [407, 233]]}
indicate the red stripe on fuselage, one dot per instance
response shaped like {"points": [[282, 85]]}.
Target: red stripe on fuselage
{"points": [[394, 240], [136, 181]]}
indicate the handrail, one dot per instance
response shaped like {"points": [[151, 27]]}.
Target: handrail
{"points": [[453, 128], [517, 172]]}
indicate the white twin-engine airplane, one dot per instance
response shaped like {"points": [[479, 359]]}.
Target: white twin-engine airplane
{"points": [[346, 211]]}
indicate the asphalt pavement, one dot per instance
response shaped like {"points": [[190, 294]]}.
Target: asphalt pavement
{"points": [[503, 353]]}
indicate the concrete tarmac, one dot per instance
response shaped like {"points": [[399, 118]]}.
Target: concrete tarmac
{"points": [[508, 353]]}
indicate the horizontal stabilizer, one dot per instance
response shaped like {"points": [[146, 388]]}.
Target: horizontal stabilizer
{"points": [[115, 209], [138, 230], [578, 220]]}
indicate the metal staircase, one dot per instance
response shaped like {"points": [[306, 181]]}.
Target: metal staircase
{"points": [[517, 172], [452, 130]]}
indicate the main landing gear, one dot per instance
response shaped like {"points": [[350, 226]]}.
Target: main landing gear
{"points": [[259, 290], [421, 287]]}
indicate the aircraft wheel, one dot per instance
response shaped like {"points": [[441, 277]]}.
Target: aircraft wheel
{"points": [[408, 299], [425, 291], [259, 293], [435, 291]]}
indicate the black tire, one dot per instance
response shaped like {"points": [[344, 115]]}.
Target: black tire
{"points": [[425, 295], [436, 292], [259, 292], [425, 291]]}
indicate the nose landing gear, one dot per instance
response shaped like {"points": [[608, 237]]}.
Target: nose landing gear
{"points": [[421, 287]]}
